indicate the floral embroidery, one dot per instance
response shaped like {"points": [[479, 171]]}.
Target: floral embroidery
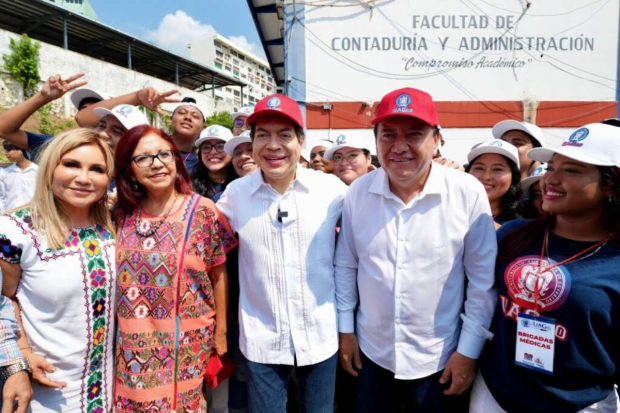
{"points": [[9, 252]]}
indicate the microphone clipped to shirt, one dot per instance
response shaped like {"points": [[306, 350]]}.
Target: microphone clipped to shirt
{"points": [[282, 214]]}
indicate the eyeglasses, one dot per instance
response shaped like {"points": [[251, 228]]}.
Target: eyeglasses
{"points": [[146, 161], [239, 122], [206, 147], [351, 157]]}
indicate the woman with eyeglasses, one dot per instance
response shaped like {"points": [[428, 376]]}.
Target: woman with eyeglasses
{"points": [[214, 170], [240, 118], [172, 280], [350, 158]]}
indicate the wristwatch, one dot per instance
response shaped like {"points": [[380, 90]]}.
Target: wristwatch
{"points": [[16, 368]]}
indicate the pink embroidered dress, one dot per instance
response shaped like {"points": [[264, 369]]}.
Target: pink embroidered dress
{"points": [[166, 310], [67, 299]]}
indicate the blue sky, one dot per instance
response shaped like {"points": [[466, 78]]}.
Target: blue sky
{"points": [[173, 24]]}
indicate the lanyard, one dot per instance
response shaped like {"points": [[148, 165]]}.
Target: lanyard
{"points": [[187, 157], [541, 271]]}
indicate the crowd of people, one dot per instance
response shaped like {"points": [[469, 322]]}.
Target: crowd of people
{"points": [[143, 271]]}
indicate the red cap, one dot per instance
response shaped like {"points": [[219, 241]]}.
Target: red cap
{"points": [[408, 102], [277, 105]]}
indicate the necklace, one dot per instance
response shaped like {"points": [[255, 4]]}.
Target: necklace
{"points": [[154, 226]]}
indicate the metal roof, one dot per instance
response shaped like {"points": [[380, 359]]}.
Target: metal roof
{"points": [[269, 26], [45, 21]]}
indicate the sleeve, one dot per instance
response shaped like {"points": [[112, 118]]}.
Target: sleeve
{"points": [[11, 241], [225, 205], [9, 332], [345, 271], [480, 252], [35, 140], [2, 190], [220, 238]]}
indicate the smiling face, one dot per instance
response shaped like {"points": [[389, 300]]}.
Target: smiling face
{"points": [[571, 187], [318, 161], [523, 142], [275, 147], [242, 159], [213, 155], [111, 129], [80, 179], [350, 164], [405, 147], [494, 172], [159, 176], [187, 122]]}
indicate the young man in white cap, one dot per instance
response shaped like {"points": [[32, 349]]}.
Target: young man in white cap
{"points": [[285, 216], [350, 157], [524, 136], [416, 239], [317, 156], [239, 149], [118, 120], [84, 97], [240, 120]]}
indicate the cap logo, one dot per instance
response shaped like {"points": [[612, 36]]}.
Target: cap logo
{"points": [[402, 104], [341, 139], [495, 143], [539, 171], [273, 102], [213, 129], [124, 110], [577, 136]]}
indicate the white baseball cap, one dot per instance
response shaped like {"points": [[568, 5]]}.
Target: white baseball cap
{"points": [[323, 142], [496, 146], [230, 146], [595, 144], [192, 104], [215, 132], [84, 93], [533, 178], [350, 140], [244, 111], [128, 115], [507, 125]]}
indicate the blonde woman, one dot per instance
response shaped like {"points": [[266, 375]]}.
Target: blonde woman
{"points": [[59, 249]]}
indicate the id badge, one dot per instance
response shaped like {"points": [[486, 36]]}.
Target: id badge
{"points": [[535, 343]]}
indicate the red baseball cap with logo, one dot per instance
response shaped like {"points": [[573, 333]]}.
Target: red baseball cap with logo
{"points": [[277, 105], [408, 102]]}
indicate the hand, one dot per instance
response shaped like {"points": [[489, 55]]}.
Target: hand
{"points": [[112, 198], [55, 87], [17, 388], [350, 353], [220, 343], [462, 370], [39, 367], [151, 98], [449, 163]]}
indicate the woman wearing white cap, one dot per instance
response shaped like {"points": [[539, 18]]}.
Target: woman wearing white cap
{"points": [[524, 136], [350, 157], [556, 346], [496, 164], [240, 118], [317, 156], [214, 171], [239, 149]]}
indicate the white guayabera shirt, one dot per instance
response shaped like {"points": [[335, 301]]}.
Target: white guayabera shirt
{"points": [[287, 306], [410, 264]]}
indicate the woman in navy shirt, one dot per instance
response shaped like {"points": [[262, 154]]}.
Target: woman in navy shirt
{"points": [[564, 267]]}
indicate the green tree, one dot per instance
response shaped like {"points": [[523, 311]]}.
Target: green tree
{"points": [[220, 118], [23, 62]]}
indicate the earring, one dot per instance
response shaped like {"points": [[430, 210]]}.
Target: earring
{"points": [[103, 200], [133, 185]]}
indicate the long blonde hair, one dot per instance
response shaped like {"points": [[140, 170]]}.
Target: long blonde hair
{"points": [[48, 215]]}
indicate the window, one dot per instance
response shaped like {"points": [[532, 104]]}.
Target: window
{"points": [[236, 72], [218, 65], [229, 90], [241, 57], [268, 71], [228, 67], [217, 44], [229, 100], [237, 93], [237, 103], [227, 58], [269, 79], [252, 100], [249, 70], [219, 54], [235, 62], [261, 68], [245, 96], [233, 52], [243, 76]]}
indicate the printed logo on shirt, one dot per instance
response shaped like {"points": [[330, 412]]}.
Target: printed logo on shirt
{"points": [[577, 136], [341, 139], [521, 277], [273, 103], [402, 104]]}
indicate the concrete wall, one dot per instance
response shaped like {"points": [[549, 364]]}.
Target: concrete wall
{"points": [[104, 77]]}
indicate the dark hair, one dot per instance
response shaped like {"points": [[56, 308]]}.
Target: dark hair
{"points": [[512, 201], [8, 146], [204, 185], [517, 241], [130, 192], [188, 100], [85, 101], [299, 131]]}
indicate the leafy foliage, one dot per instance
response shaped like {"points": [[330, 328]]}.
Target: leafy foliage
{"points": [[23, 62], [49, 126], [221, 118]]}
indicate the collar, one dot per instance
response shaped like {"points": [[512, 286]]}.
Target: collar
{"points": [[302, 176], [32, 167], [435, 184]]}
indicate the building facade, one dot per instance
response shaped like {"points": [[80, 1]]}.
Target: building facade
{"points": [[228, 57]]}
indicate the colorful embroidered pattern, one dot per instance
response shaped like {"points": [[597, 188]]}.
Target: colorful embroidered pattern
{"points": [[164, 281]]}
